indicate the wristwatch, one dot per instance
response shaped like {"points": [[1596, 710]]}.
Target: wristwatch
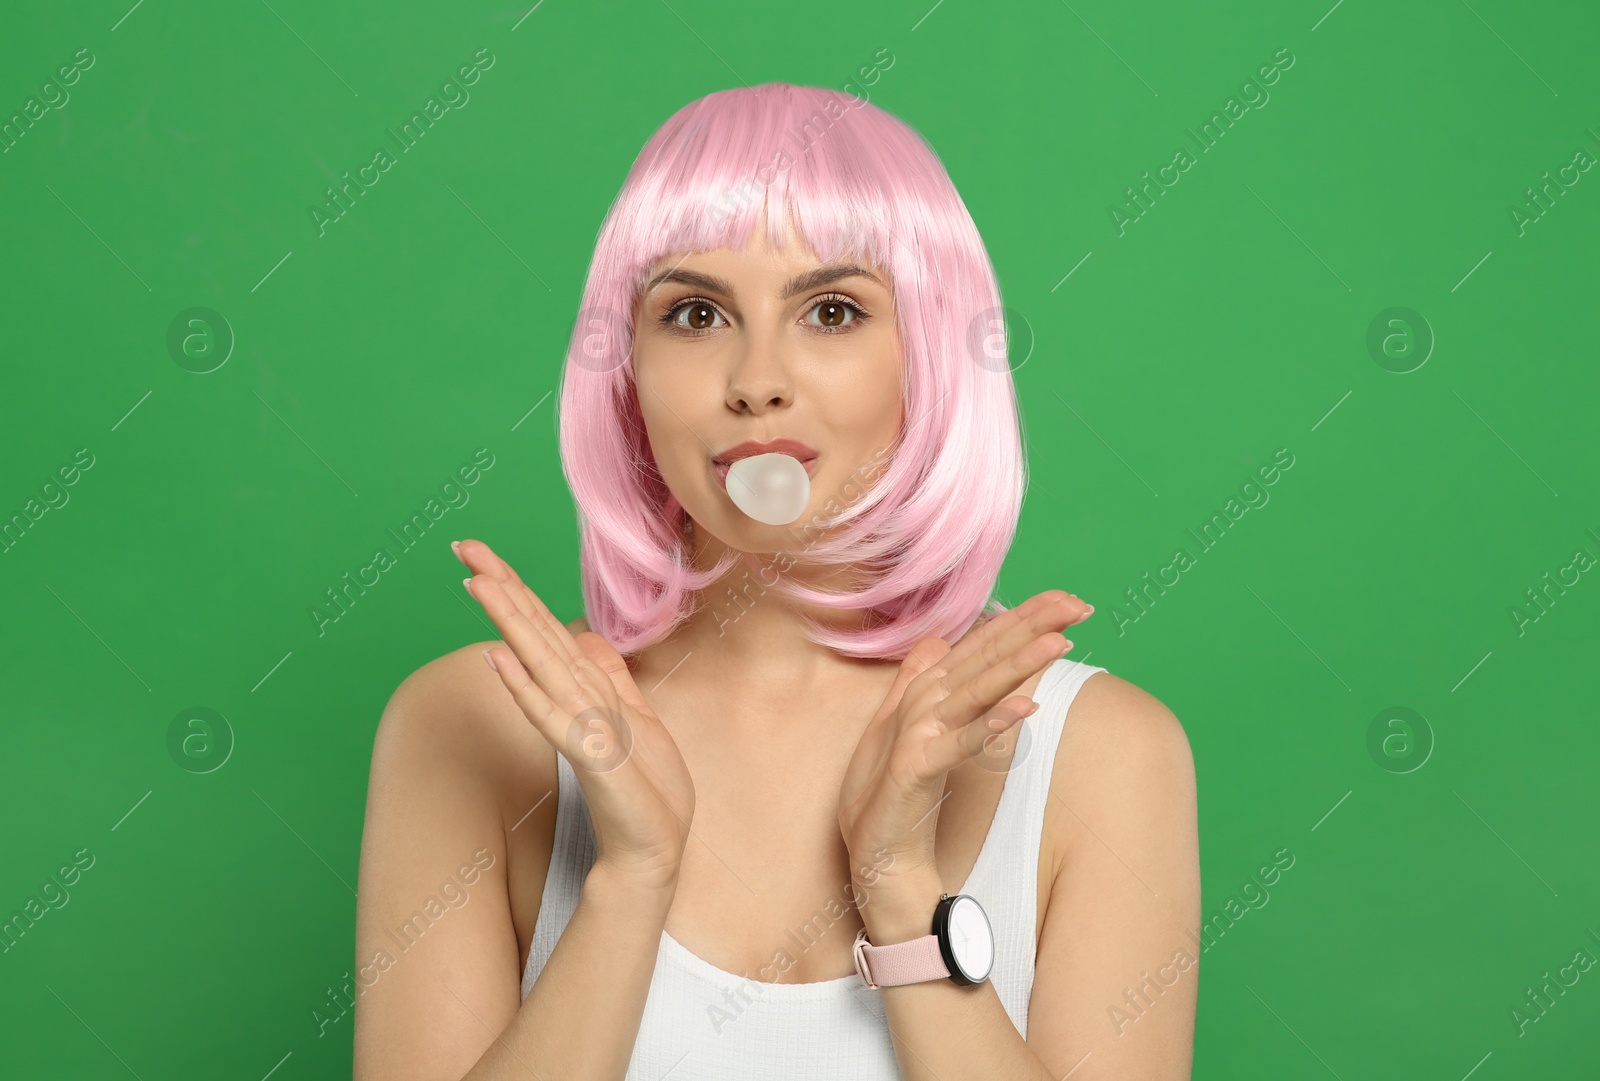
{"points": [[960, 946]]}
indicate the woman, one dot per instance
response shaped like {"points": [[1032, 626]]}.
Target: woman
{"points": [[779, 813]]}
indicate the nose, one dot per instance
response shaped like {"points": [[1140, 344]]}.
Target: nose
{"points": [[760, 381]]}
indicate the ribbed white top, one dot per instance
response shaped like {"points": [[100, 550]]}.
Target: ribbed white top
{"points": [[720, 1026]]}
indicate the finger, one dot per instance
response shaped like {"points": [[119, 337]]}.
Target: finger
{"points": [[1044, 612], [878, 738], [481, 559], [922, 656], [532, 646], [949, 749], [605, 657], [981, 693], [1080, 608], [927, 653], [534, 703], [974, 641], [995, 640], [592, 738]]}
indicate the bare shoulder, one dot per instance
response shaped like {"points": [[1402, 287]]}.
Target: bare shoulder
{"points": [[1123, 754], [1124, 894], [453, 712], [1109, 709], [444, 882]]}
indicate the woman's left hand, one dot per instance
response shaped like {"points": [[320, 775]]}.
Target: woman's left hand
{"points": [[946, 701]]}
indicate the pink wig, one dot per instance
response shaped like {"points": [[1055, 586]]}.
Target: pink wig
{"points": [[937, 515]]}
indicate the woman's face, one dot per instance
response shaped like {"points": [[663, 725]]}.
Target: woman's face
{"points": [[764, 344]]}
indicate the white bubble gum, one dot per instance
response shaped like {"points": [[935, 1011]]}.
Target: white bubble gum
{"points": [[771, 488]]}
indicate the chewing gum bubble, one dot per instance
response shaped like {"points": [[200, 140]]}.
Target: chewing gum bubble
{"points": [[771, 488]]}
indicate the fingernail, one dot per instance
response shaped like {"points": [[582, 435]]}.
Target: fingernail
{"points": [[467, 584], [489, 661], [455, 546]]}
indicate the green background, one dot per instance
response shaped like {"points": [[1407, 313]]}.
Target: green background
{"points": [[1229, 322]]}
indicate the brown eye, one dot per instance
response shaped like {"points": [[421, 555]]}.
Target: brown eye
{"points": [[701, 316], [835, 315]]}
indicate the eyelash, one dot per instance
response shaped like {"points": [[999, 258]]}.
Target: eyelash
{"points": [[859, 314]]}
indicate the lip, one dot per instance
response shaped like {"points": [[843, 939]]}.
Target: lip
{"points": [[792, 447], [748, 449]]}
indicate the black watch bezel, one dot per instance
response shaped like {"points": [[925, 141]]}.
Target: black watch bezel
{"points": [[941, 931]]}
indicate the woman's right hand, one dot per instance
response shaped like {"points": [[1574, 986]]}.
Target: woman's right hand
{"points": [[581, 697]]}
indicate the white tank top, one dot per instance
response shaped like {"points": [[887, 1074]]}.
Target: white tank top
{"points": [[720, 1026]]}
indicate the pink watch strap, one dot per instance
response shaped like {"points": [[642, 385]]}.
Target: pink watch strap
{"points": [[901, 962]]}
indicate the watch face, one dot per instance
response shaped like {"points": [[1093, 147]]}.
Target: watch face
{"points": [[971, 939]]}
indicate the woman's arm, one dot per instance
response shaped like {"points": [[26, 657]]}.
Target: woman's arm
{"points": [[1118, 972], [438, 977], [581, 1019], [1111, 997]]}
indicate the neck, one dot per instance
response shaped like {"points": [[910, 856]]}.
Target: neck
{"points": [[748, 639]]}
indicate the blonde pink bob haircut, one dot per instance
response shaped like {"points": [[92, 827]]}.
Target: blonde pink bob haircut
{"points": [[930, 521]]}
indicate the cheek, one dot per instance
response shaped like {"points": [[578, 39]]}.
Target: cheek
{"points": [[864, 384], [668, 446], [673, 412], [870, 404]]}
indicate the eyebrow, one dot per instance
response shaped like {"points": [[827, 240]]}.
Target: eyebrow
{"points": [[800, 283]]}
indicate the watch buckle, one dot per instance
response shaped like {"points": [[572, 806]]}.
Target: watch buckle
{"points": [[858, 951]]}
